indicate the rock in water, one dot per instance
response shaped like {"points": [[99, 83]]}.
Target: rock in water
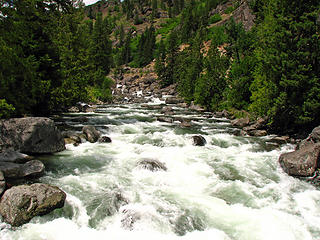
{"points": [[20, 204], [14, 156], [32, 135], [198, 140], [104, 139], [34, 168], [91, 133], [152, 165], [302, 162]]}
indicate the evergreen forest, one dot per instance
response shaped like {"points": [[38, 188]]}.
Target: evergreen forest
{"points": [[56, 53]]}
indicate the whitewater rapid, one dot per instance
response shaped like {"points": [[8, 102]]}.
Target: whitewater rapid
{"points": [[232, 188]]}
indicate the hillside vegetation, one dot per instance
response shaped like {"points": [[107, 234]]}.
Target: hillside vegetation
{"points": [[258, 56]]}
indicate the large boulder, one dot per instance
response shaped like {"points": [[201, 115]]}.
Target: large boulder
{"points": [[34, 168], [20, 204], [240, 122], [14, 156], [302, 162], [34, 135], [92, 134]]}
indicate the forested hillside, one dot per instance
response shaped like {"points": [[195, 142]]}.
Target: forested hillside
{"points": [[259, 56]]}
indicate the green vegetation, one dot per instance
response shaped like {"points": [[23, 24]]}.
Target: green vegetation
{"points": [[53, 56]]}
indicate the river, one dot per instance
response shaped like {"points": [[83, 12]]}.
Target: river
{"points": [[232, 188]]}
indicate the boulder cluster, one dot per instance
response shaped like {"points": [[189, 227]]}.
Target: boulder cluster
{"points": [[20, 138]]}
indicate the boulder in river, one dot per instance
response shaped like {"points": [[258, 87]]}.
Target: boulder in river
{"points": [[14, 156], [302, 162], [314, 137], [104, 139], [34, 168], [20, 204], [240, 122], [165, 119], [198, 140], [152, 165], [92, 134], [34, 135]]}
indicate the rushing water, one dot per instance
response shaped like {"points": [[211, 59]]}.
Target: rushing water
{"points": [[232, 188]]}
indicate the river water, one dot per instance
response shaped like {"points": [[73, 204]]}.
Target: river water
{"points": [[231, 188]]}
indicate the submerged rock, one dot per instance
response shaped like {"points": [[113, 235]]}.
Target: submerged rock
{"points": [[20, 204], [165, 119], [302, 162], [34, 168], [198, 140], [33, 135], [92, 134], [152, 165], [130, 217]]}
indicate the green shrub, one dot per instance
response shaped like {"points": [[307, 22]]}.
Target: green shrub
{"points": [[6, 110], [229, 10], [215, 18]]}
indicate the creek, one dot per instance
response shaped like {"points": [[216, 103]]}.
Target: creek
{"points": [[232, 188]]}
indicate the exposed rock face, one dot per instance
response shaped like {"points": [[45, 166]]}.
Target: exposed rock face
{"points": [[32, 135], [20, 204], [198, 140], [91, 133], [302, 162], [152, 165], [244, 14], [34, 168]]}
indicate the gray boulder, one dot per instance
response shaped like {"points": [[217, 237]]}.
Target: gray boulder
{"points": [[20, 204], [314, 137], [91, 133], [302, 162], [34, 135], [198, 140], [152, 165], [240, 122], [34, 168], [14, 156]]}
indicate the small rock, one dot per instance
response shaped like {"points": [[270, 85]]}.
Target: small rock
{"points": [[196, 107], [198, 140], [20, 204], [258, 133], [104, 139], [185, 124], [152, 165], [165, 119], [91, 133], [173, 100], [240, 122]]}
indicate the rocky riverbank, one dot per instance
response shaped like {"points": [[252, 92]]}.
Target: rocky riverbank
{"points": [[19, 138]]}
